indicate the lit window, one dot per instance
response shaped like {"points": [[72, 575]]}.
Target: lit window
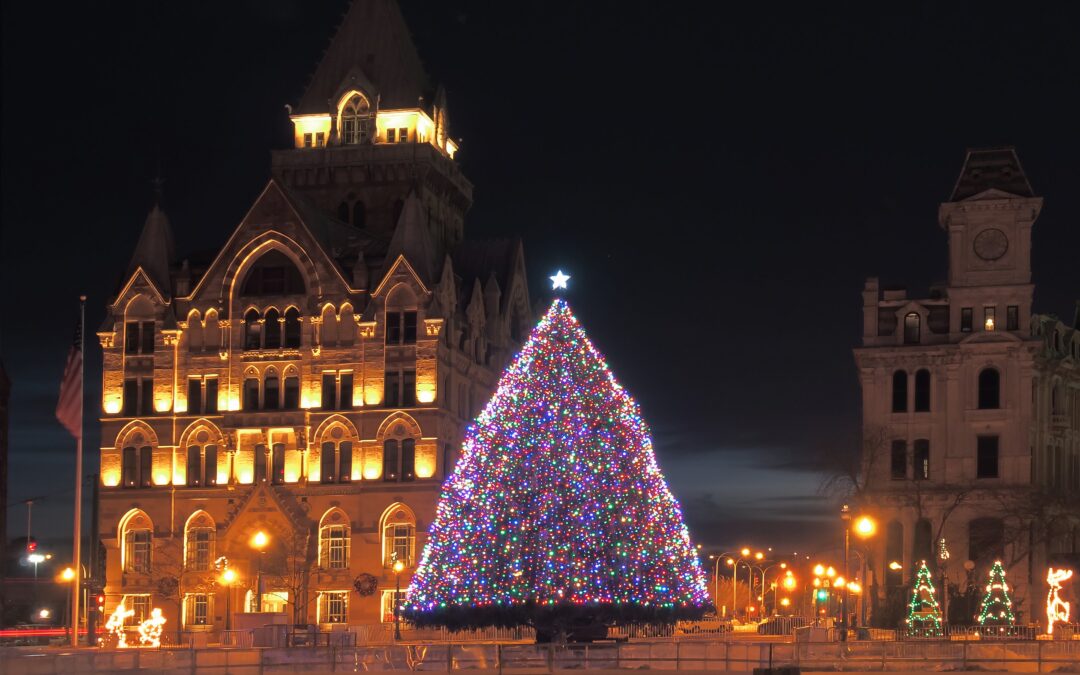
{"points": [[320, 139], [334, 547], [140, 604], [403, 135], [307, 140], [197, 609], [988, 318], [391, 135], [137, 553], [921, 459], [334, 606], [356, 120], [399, 538], [200, 548], [911, 328], [390, 600]]}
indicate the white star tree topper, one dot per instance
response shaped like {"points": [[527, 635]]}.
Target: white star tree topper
{"points": [[559, 280]]}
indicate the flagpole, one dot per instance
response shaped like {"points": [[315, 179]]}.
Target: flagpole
{"points": [[76, 591]]}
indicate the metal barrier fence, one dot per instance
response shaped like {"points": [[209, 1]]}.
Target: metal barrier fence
{"points": [[700, 656]]}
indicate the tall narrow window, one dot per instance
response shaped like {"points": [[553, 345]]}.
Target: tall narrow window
{"points": [[988, 318], [137, 555], [131, 337], [129, 468], [272, 392], [146, 396], [252, 330], [260, 464], [408, 327], [292, 393], [328, 462], [898, 465], [390, 460], [345, 391], [292, 328], [272, 329], [1012, 318], [899, 391], [210, 465], [989, 389], [334, 606], [965, 320], [197, 611], [146, 342], [922, 390], [200, 549], [307, 140], [146, 465], [911, 328], [251, 394], [131, 397], [345, 462], [987, 457], [194, 466], [408, 459], [921, 459], [194, 395], [329, 386], [277, 464], [408, 388], [404, 536], [210, 404], [392, 389], [335, 547]]}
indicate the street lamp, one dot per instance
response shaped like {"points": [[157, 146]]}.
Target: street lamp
{"points": [[228, 577], [398, 567], [259, 542], [864, 527], [716, 574]]}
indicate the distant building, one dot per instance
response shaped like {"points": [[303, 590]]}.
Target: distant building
{"points": [[971, 402], [313, 381]]}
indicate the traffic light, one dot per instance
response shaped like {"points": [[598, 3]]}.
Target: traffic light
{"points": [[822, 595], [31, 546], [101, 602]]}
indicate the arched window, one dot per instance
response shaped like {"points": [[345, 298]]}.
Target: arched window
{"points": [[894, 553], [359, 215], [137, 460], [398, 536], [343, 212], [277, 463], [356, 120], [336, 460], [986, 540], [292, 328], [291, 395], [899, 391], [334, 541], [136, 542], [251, 391], [922, 390], [202, 463], [989, 389], [211, 332], [272, 329], [911, 328], [194, 332], [273, 274], [199, 540], [408, 459], [328, 331], [252, 330], [924, 541]]}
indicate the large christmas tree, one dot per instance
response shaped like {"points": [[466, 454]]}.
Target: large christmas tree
{"points": [[996, 607], [924, 613], [557, 512]]}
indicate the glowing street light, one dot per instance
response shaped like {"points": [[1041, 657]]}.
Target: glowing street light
{"points": [[819, 570], [259, 543], [228, 578], [784, 602], [68, 574], [895, 566], [865, 527], [398, 567], [44, 614]]}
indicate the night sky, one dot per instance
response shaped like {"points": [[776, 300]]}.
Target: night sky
{"points": [[718, 178]]}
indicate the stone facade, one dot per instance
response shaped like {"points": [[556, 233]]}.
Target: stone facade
{"points": [[313, 381], [971, 403]]}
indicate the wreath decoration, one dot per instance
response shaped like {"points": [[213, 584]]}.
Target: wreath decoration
{"points": [[365, 584]]}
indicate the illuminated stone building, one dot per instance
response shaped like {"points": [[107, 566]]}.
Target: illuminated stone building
{"points": [[971, 402], [313, 381]]}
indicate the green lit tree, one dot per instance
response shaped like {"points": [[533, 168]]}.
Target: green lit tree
{"points": [[996, 607], [924, 613]]}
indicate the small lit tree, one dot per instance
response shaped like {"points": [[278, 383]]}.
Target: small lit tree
{"points": [[924, 613], [996, 606]]}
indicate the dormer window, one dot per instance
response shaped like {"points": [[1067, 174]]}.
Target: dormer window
{"points": [[356, 119]]}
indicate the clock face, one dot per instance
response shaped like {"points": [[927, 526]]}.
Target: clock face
{"points": [[991, 244]]}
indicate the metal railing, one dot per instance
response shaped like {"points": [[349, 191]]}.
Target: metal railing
{"points": [[720, 655]]}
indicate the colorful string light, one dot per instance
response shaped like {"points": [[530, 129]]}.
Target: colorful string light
{"points": [[996, 606], [557, 502], [924, 613]]}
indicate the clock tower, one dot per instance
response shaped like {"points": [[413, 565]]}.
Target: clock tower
{"points": [[988, 219]]}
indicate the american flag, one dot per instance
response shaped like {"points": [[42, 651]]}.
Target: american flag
{"points": [[70, 406]]}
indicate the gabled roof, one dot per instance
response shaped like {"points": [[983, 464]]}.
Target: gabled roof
{"points": [[991, 168], [412, 240], [154, 251], [372, 37]]}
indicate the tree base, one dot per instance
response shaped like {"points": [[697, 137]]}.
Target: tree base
{"points": [[551, 620]]}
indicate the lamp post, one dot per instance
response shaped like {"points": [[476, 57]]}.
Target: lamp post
{"points": [[864, 528], [259, 542], [228, 577], [782, 566], [716, 574], [398, 567]]}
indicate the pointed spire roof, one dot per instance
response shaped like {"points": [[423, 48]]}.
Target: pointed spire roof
{"points": [[154, 251], [412, 240], [991, 168], [372, 45]]}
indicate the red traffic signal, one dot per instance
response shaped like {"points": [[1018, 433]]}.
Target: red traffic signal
{"points": [[31, 546]]}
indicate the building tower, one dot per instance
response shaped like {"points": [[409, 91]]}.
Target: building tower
{"points": [[313, 380], [971, 403]]}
